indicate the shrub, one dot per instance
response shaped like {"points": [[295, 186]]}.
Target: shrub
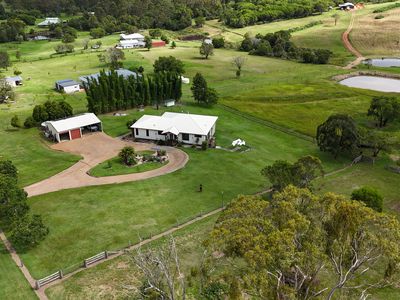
{"points": [[8, 169], [30, 122], [218, 42], [369, 196], [379, 17], [28, 233], [161, 152], [127, 155], [15, 122], [204, 145]]}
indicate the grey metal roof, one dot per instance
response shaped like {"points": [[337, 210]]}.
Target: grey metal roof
{"points": [[14, 78], [121, 72], [66, 82]]}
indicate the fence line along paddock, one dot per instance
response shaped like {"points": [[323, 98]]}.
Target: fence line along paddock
{"points": [[46, 280], [95, 258]]}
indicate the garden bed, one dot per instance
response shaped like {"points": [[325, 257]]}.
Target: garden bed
{"points": [[115, 166]]}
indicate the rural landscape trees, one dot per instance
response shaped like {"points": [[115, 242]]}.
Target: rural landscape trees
{"points": [[384, 110], [337, 134], [26, 230], [201, 92], [288, 244]]}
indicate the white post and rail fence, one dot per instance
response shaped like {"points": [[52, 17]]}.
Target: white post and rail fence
{"points": [[86, 263]]}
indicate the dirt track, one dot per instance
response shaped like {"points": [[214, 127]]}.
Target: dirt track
{"points": [[95, 149], [349, 46]]}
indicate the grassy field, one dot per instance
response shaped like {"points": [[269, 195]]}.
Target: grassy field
{"points": [[114, 279], [114, 166], [377, 37], [13, 285]]}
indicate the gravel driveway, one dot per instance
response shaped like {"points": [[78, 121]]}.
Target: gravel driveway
{"points": [[94, 149]]}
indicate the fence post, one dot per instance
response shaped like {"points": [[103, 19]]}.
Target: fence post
{"points": [[106, 254], [60, 273], [37, 284], [84, 263]]}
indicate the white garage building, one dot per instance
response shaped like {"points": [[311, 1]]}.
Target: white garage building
{"points": [[72, 128], [67, 86], [175, 127]]}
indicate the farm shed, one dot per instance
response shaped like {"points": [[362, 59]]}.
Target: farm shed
{"points": [[156, 44], [175, 127], [14, 81], [72, 128], [121, 72], [67, 86]]}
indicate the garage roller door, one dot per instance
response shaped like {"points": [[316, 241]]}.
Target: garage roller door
{"points": [[75, 134]]}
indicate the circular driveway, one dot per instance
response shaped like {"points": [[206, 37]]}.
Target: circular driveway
{"points": [[94, 149]]}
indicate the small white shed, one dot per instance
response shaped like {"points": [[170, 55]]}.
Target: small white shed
{"points": [[67, 86]]}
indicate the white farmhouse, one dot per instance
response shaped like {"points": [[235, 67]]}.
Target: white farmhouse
{"points": [[133, 36], [67, 86], [14, 81], [49, 21], [175, 127], [130, 44]]}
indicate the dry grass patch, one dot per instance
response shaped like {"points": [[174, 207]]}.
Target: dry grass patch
{"points": [[377, 37]]}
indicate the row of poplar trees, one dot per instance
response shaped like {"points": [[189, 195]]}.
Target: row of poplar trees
{"points": [[110, 92]]}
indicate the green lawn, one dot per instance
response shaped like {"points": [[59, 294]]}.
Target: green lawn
{"points": [[13, 285], [114, 166], [108, 279]]}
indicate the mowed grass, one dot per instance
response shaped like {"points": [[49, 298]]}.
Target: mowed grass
{"points": [[109, 280], [13, 285], [107, 217], [114, 166]]}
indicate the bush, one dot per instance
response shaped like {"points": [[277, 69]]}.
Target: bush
{"points": [[218, 42], [30, 122], [161, 152], [97, 33], [379, 17], [204, 145], [369, 196], [28, 233], [8, 169], [15, 122], [127, 155]]}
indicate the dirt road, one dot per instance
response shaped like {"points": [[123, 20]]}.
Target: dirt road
{"points": [[95, 149], [349, 46]]}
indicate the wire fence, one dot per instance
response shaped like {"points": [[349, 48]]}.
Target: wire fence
{"points": [[267, 123], [107, 254]]}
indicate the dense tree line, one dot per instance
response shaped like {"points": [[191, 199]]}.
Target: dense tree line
{"points": [[111, 92], [278, 44], [12, 30], [117, 15]]}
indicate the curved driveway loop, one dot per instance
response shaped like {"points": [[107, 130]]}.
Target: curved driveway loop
{"points": [[94, 149]]}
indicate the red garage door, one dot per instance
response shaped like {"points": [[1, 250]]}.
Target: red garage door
{"points": [[75, 134]]}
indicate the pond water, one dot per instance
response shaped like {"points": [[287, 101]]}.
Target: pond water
{"points": [[373, 83], [384, 62]]}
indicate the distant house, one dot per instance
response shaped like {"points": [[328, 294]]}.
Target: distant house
{"points": [[14, 81], [169, 103], [72, 128], [133, 36], [121, 72], [175, 127], [49, 21], [130, 44], [347, 6], [207, 41], [67, 86]]}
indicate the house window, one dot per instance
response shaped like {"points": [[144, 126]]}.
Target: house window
{"points": [[147, 132], [198, 136], [185, 136], [160, 132], [137, 131]]}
